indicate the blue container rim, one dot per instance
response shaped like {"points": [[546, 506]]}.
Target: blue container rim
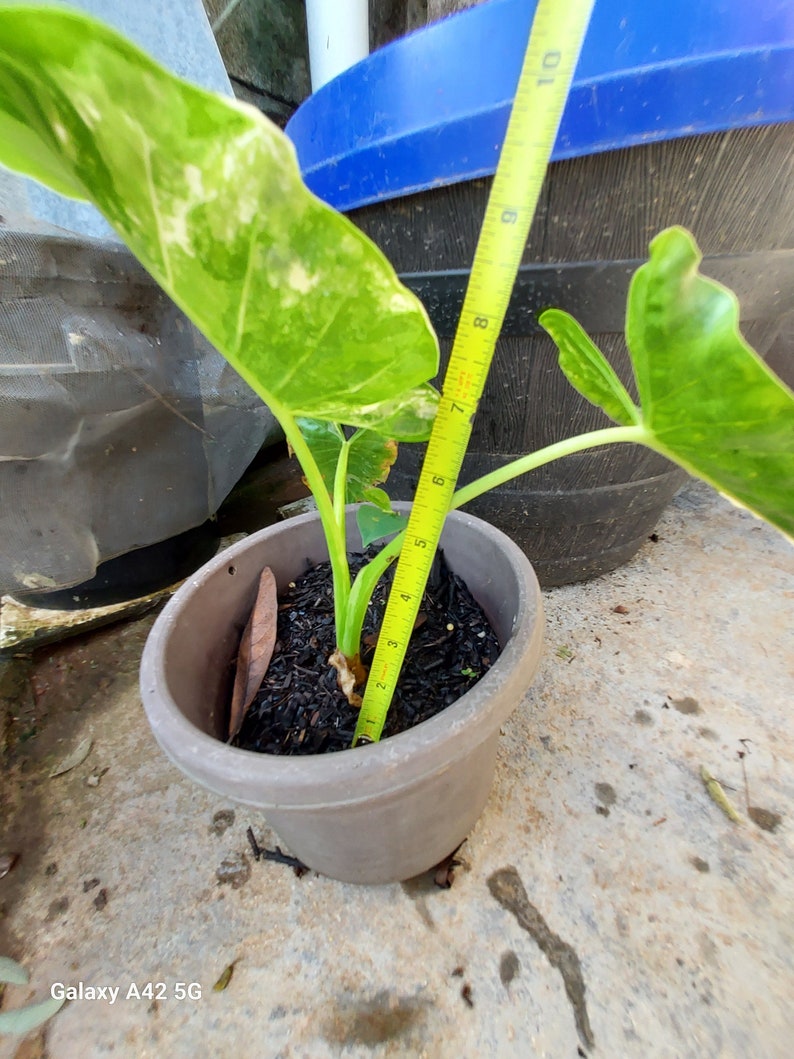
{"points": [[431, 108]]}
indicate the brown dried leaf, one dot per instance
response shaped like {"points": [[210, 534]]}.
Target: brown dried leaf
{"points": [[256, 650], [71, 761], [444, 872], [225, 978], [350, 674]]}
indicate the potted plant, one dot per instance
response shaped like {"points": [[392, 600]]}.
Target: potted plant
{"points": [[207, 194]]}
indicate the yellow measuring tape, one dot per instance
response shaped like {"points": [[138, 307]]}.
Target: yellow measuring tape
{"points": [[555, 40]]}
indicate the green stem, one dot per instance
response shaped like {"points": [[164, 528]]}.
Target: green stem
{"points": [[340, 481], [368, 576], [636, 434], [361, 593], [334, 531]]}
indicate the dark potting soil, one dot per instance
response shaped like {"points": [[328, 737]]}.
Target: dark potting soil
{"points": [[300, 709]]}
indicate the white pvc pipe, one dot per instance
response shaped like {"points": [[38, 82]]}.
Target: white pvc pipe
{"points": [[338, 36]]}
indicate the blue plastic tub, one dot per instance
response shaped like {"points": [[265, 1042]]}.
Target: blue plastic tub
{"points": [[431, 109]]}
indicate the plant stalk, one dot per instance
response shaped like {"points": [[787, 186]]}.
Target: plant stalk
{"points": [[364, 583], [340, 482], [361, 593], [636, 434], [334, 531]]}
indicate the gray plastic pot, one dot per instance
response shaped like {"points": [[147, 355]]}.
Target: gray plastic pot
{"points": [[379, 813]]}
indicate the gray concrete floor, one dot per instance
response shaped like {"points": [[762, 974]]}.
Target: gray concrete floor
{"points": [[605, 904]]}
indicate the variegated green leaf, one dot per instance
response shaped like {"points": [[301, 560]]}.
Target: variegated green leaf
{"points": [[707, 399], [369, 459], [587, 369], [207, 194]]}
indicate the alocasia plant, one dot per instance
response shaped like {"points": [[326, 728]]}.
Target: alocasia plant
{"points": [[207, 194]]}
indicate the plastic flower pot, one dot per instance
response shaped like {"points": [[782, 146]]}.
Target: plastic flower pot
{"points": [[674, 117], [379, 813]]}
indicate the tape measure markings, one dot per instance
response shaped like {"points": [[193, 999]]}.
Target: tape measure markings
{"points": [[554, 43]]}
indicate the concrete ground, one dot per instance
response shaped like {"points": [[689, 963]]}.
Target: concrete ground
{"points": [[605, 904]]}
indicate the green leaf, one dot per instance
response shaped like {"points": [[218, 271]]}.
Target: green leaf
{"points": [[708, 400], [409, 417], [374, 523], [587, 369], [370, 458], [23, 1020], [206, 192], [379, 498]]}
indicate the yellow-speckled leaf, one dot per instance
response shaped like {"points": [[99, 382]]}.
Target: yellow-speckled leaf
{"points": [[708, 401], [206, 192]]}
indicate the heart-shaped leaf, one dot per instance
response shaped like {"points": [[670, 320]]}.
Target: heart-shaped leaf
{"points": [[370, 458], [374, 524], [206, 192]]}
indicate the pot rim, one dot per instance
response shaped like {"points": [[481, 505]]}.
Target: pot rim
{"points": [[371, 770]]}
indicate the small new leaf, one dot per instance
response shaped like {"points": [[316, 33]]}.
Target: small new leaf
{"points": [[374, 524], [370, 458]]}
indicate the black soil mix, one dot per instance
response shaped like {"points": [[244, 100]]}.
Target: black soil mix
{"points": [[300, 710]]}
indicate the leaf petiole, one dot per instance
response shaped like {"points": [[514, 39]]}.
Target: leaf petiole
{"points": [[361, 592], [637, 435], [340, 479], [334, 532]]}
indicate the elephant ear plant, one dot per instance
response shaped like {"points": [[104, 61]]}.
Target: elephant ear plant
{"points": [[207, 194]]}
